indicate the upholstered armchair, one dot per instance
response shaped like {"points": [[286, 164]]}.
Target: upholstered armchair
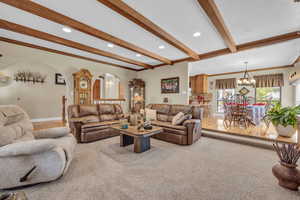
{"points": [[29, 157]]}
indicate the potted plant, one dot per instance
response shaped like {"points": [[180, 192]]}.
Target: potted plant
{"points": [[284, 119], [286, 171]]}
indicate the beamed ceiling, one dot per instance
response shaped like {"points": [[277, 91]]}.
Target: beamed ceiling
{"points": [[151, 33]]}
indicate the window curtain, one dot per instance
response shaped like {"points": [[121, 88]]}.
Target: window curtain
{"points": [[270, 80], [229, 83]]}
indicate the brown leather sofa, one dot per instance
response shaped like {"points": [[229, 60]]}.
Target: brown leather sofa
{"points": [[185, 134], [92, 122]]}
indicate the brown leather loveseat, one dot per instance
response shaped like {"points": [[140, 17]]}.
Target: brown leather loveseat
{"points": [[185, 134], [92, 122]]}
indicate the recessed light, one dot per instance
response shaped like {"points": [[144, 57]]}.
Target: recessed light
{"points": [[197, 34], [161, 47], [67, 29], [138, 55], [110, 45]]}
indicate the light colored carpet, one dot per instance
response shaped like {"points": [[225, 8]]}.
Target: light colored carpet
{"points": [[211, 169]]}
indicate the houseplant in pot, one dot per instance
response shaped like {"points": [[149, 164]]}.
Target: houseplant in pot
{"points": [[284, 119], [286, 171]]}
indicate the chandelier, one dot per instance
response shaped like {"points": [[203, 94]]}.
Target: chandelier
{"points": [[247, 80]]}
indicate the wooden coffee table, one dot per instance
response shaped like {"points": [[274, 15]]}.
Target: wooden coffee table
{"points": [[140, 139]]}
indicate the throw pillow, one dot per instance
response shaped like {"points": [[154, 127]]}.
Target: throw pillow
{"points": [[177, 119], [184, 118], [150, 114], [10, 119]]}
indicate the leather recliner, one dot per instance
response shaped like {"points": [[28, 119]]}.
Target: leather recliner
{"points": [[184, 134], [92, 122]]}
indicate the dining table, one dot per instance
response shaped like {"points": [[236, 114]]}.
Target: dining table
{"points": [[256, 113]]}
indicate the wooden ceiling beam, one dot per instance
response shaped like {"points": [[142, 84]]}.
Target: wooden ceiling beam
{"points": [[52, 38], [243, 47], [20, 43], [269, 41], [134, 16], [54, 16], [213, 13]]}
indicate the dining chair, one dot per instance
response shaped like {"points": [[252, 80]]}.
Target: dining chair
{"points": [[268, 107]]}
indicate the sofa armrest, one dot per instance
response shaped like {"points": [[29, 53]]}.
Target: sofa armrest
{"points": [[193, 130], [51, 133], [27, 148]]}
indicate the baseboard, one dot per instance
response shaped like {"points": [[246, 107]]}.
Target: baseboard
{"points": [[46, 119]]}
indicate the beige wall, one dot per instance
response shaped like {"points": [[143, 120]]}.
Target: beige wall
{"points": [[153, 78], [287, 94], [43, 101], [34, 98]]}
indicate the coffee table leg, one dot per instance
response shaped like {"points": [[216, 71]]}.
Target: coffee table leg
{"points": [[125, 140], [141, 144]]}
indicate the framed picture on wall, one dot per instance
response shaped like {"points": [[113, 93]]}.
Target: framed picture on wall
{"points": [[59, 79], [170, 85]]}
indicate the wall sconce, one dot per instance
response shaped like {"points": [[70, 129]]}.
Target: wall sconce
{"points": [[4, 80], [34, 77]]}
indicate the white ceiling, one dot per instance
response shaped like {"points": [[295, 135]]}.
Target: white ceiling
{"points": [[257, 19], [269, 56], [181, 18], [246, 20]]}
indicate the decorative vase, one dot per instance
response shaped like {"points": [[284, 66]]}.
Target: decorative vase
{"points": [[288, 175], [134, 119], [287, 131]]}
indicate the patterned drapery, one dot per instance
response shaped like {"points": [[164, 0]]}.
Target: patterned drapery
{"points": [[225, 83], [270, 80]]}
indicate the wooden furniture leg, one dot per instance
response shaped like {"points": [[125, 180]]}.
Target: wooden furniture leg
{"points": [[141, 144], [125, 140]]}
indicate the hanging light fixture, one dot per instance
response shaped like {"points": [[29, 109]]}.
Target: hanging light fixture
{"points": [[247, 80]]}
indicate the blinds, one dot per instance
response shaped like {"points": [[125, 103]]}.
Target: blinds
{"points": [[270, 80], [225, 83]]}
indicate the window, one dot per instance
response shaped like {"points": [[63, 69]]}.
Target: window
{"points": [[263, 94], [221, 94]]}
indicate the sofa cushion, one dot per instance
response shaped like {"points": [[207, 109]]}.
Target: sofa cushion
{"points": [[168, 125], [95, 124], [106, 109], [180, 108], [162, 117], [108, 117], [161, 108], [85, 110]]}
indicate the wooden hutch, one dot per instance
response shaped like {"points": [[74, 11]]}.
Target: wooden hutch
{"points": [[136, 95]]}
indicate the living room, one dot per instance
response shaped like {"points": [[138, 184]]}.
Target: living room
{"points": [[109, 99]]}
